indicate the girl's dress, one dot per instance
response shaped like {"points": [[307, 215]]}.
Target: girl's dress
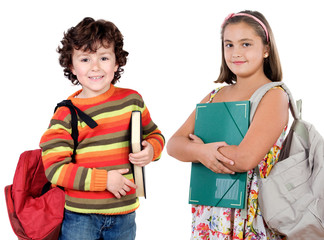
{"points": [[209, 223]]}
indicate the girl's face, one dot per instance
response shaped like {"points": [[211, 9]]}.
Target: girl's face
{"points": [[95, 71], [244, 51]]}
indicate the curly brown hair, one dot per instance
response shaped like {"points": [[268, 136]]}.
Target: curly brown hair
{"points": [[89, 35]]}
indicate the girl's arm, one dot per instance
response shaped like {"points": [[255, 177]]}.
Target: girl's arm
{"points": [[267, 125], [187, 148], [269, 121]]}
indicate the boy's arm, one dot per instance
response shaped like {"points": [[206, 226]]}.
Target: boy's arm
{"points": [[57, 149], [153, 142], [152, 134]]}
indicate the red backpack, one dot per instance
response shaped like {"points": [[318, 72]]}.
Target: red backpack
{"points": [[35, 209], [33, 215]]}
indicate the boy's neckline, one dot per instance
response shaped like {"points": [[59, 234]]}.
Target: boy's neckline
{"points": [[92, 100]]}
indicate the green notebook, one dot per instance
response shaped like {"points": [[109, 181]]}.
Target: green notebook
{"points": [[218, 122]]}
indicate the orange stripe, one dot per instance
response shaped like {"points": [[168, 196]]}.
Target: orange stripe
{"points": [[67, 174], [54, 134], [61, 113], [90, 195], [72, 176], [103, 158], [92, 182], [122, 93], [52, 158], [61, 176], [146, 118]]}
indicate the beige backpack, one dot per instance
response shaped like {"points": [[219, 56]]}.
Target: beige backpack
{"points": [[291, 198]]}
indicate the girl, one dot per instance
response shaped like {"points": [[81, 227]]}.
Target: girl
{"points": [[249, 60]]}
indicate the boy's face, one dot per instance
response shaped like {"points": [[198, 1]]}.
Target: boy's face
{"points": [[95, 71]]}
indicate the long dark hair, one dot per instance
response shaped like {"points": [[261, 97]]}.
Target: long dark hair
{"points": [[271, 65]]}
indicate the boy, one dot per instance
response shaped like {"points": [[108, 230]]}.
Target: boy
{"points": [[100, 192]]}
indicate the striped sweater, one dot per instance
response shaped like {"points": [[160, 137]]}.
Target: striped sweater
{"points": [[104, 148]]}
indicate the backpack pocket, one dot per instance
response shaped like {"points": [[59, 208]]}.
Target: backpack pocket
{"points": [[316, 208], [310, 225], [286, 186]]}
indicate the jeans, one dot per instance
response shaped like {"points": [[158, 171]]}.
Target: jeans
{"points": [[96, 226]]}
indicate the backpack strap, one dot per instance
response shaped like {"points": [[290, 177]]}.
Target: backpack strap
{"points": [[297, 126], [75, 112], [260, 92]]}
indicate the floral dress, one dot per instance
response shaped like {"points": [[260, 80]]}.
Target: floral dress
{"points": [[209, 223]]}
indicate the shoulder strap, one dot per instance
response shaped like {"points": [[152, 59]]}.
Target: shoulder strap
{"points": [[75, 132], [260, 92], [74, 121], [213, 94]]}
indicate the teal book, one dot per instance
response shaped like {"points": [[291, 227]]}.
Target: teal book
{"points": [[219, 122]]}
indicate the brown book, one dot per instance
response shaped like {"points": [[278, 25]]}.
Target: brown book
{"points": [[136, 146]]}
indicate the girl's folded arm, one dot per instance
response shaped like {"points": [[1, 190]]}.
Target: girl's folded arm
{"points": [[184, 147], [268, 123], [180, 145]]}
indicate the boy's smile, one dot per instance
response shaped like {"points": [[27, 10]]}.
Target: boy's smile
{"points": [[94, 70], [96, 78]]}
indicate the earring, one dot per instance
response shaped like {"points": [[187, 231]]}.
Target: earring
{"points": [[266, 55]]}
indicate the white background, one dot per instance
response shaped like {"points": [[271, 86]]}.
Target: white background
{"points": [[174, 58]]}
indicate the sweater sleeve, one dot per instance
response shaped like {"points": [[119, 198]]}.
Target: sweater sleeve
{"points": [[57, 149], [152, 134]]}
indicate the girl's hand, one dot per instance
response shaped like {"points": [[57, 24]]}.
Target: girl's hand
{"points": [[117, 184], [143, 157], [210, 156]]}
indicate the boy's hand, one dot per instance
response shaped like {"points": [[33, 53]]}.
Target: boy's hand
{"points": [[143, 157], [117, 184]]}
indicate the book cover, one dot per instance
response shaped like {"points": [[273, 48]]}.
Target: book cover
{"points": [[136, 146], [218, 122]]}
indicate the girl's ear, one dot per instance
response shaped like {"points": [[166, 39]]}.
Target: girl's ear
{"points": [[266, 51]]}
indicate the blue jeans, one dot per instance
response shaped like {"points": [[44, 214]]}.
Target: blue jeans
{"points": [[96, 226]]}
